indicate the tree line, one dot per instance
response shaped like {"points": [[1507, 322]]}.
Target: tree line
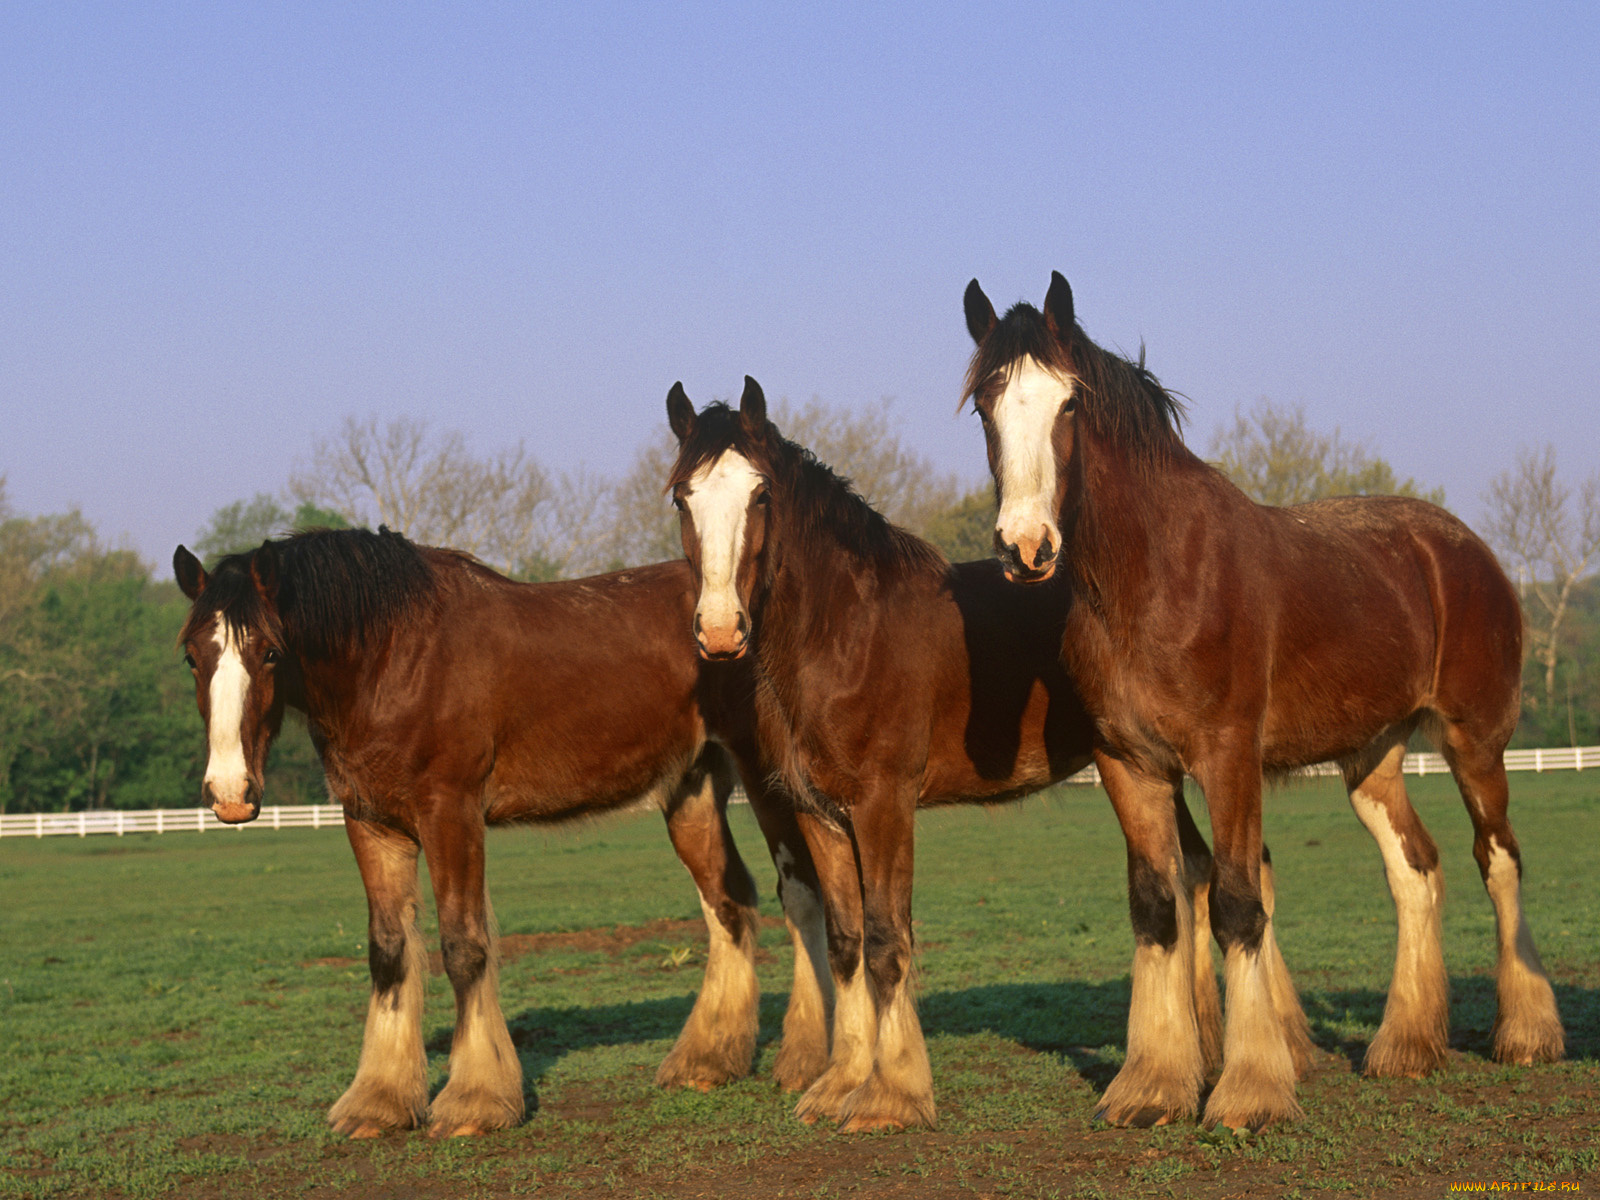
{"points": [[96, 710]]}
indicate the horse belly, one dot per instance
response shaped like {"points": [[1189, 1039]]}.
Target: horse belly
{"points": [[567, 758], [560, 786], [997, 749], [1334, 701]]}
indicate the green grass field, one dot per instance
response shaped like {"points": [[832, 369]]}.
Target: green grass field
{"points": [[178, 1012]]}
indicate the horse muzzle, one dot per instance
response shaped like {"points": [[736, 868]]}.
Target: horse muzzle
{"points": [[234, 810], [1027, 560], [1024, 576], [720, 642]]}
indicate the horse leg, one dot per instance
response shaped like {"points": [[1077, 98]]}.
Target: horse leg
{"points": [[1527, 1027], [803, 1055], [1165, 1066], [855, 1029], [1258, 1071], [1285, 998], [1207, 1006], [1415, 1033], [899, 1091], [1197, 878], [718, 1040], [390, 1090], [484, 1091]]}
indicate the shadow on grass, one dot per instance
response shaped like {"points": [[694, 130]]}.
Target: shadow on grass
{"points": [[1472, 1013], [1078, 1020]]}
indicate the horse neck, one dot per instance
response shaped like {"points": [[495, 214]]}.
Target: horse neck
{"points": [[814, 584], [330, 687], [1117, 536]]}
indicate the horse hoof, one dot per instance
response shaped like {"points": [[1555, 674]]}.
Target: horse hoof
{"points": [[1253, 1113], [1148, 1117], [877, 1104], [871, 1125], [824, 1098], [461, 1129]]}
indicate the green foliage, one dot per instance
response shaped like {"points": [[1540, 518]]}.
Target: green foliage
{"points": [[183, 1009], [1275, 459], [238, 527], [112, 724], [308, 516], [96, 710], [243, 525], [91, 712], [965, 530]]}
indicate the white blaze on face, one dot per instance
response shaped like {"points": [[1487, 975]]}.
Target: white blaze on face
{"points": [[226, 773], [719, 501], [1024, 420]]}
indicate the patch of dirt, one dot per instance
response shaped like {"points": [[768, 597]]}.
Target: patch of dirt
{"points": [[936, 1164], [1467, 1124]]}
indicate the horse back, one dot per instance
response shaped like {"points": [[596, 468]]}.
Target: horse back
{"points": [[1389, 599]]}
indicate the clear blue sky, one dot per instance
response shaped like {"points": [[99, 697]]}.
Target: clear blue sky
{"points": [[225, 227]]}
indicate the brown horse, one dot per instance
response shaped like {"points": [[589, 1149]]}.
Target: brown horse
{"points": [[886, 679], [1225, 639], [442, 698]]}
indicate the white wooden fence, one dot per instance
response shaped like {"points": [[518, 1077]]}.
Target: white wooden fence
{"points": [[165, 820], [328, 816], [1564, 758]]}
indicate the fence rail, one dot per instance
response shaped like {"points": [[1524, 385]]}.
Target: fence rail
{"points": [[164, 820], [328, 816]]}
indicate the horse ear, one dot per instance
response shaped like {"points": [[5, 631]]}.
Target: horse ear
{"points": [[1058, 304], [980, 313], [190, 574], [753, 407], [680, 412], [264, 570]]}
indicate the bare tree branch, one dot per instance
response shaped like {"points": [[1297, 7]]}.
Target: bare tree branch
{"points": [[1274, 458], [1532, 526], [861, 444], [435, 490]]}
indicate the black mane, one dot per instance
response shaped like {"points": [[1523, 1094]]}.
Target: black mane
{"points": [[1120, 401], [822, 505], [337, 588]]}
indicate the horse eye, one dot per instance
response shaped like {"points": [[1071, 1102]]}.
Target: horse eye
{"points": [[271, 656], [189, 661], [1070, 404], [762, 497], [677, 503]]}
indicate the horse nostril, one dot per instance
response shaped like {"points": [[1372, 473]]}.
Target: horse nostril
{"points": [[697, 624], [1045, 554], [743, 627]]}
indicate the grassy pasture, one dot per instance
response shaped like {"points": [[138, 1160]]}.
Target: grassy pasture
{"points": [[178, 1012]]}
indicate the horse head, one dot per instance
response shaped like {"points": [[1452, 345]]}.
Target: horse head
{"points": [[1023, 385], [722, 496], [233, 644]]}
